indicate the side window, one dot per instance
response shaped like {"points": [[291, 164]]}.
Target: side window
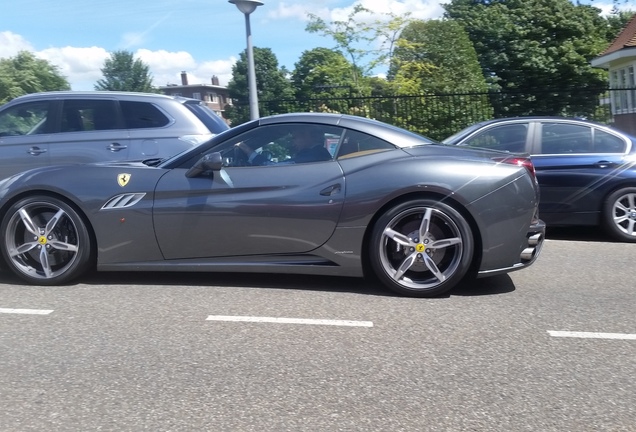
{"points": [[141, 115], [558, 138], [31, 118], [607, 143], [357, 144], [281, 144], [88, 115], [511, 137]]}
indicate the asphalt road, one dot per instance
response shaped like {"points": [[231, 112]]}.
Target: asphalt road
{"points": [[137, 352]]}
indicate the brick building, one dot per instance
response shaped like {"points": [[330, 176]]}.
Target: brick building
{"points": [[214, 95]]}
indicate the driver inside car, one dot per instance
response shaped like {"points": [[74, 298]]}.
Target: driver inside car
{"points": [[308, 145]]}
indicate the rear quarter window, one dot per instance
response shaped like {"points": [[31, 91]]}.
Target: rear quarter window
{"points": [[142, 115]]}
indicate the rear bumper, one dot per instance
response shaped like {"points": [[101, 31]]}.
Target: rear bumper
{"points": [[535, 238]]}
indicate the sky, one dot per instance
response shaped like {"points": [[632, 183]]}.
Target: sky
{"points": [[201, 37]]}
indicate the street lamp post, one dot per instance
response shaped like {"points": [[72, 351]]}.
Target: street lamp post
{"points": [[247, 7]]}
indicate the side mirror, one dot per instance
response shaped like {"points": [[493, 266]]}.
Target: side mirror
{"points": [[209, 162]]}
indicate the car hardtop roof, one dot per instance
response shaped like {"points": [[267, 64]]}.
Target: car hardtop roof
{"points": [[380, 129], [535, 118]]}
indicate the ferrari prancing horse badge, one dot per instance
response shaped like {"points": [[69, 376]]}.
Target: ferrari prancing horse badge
{"points": [[123, 179]]}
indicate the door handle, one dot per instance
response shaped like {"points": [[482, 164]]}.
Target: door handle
{"points": [[115, 147], [331, 190], [604, 164], [35, 151]]}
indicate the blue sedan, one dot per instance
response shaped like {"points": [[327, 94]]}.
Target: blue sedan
{"points": [[586, 170]]}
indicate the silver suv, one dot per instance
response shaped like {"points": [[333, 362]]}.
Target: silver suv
{"points": [[76, 127]]}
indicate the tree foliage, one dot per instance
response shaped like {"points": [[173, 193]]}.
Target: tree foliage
{"points": [[123, 73], [323, 74], [439, 56], [24, 74], [436, 58], [367, 43], [347, 35], [271, 85], [531, 48]]}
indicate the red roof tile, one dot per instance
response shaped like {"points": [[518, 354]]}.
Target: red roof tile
{"points": [[625, 39]]}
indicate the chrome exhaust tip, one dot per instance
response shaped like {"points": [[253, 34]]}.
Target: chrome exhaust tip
{"points": [[528, 253], [535, 239]]}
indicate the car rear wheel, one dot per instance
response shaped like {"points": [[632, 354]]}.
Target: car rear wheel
{"points": [[45, 242], [421, 248], [619, 214]]}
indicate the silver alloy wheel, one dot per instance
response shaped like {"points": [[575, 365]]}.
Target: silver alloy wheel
{"points": [[624, 213], [421, 248], [41, 240]]}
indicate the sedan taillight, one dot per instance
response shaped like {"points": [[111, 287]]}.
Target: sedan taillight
{"points": [[525, 162]]}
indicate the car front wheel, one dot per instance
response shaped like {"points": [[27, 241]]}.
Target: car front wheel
{"points": [[421, 248], [619, 214], [45, 241]]}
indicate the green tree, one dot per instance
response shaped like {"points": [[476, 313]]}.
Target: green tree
{"points": [[537, 52], [322, 74], [347, 35], [272, 85], [123, 73], [25, 74], [445, 47], [367, 44], [436, 58]]}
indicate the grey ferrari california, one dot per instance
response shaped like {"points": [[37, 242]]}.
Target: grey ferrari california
{"points": [[306, 193]]}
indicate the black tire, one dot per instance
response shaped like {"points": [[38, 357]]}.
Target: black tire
{"points": [[619, 214], [421, 248], [45, 241]]}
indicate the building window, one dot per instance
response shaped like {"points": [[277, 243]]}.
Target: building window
{"points": [[623, 90], [196, 95], [632, 87], [213, 97]]}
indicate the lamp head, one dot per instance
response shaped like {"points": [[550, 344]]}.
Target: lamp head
{"points": [[246, 6]]}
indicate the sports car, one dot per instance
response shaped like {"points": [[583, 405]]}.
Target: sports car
{"points": [[386, 203]]}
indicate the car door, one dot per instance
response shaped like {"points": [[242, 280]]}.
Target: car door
{"points": [[24, 135], [248, 210], [575, 165], [89, 130], [278, 208]]}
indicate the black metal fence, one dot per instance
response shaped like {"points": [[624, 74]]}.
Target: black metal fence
{"points": [[440, 115]]}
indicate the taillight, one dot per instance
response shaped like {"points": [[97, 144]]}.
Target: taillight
{"points": [[525, 162]]}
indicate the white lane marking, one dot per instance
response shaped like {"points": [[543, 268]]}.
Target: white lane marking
{"points": [[26, 311], [290, 321], [592, 335]]}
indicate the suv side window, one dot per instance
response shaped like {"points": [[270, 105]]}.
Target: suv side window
{"points": [[88, 115], [142, 115], [31, 118]]}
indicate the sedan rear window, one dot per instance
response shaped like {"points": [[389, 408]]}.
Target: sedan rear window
{"points": [[607, 143]]}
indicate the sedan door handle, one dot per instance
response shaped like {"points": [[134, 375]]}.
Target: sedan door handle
{"points": [[115, 147], [331, 190], [35, 151], [604, 164]]}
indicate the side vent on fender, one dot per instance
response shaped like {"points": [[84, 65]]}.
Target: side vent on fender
{"points": [[123, 200]]}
